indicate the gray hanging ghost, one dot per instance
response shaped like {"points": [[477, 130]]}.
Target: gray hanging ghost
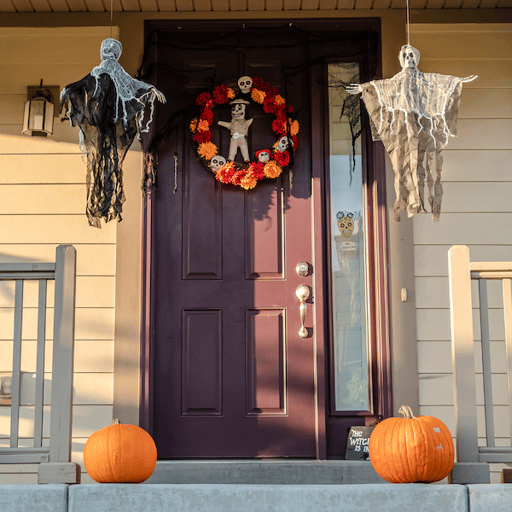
{"points": [[414, 114]]}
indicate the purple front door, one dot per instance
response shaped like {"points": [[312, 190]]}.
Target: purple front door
{"points": [[233, 378], [225, 372]]}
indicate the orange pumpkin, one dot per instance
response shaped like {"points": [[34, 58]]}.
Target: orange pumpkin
{"points": [[411, 449], [120, 453]]}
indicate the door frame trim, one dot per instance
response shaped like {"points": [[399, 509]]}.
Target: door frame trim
{"points": [[375, 152]]}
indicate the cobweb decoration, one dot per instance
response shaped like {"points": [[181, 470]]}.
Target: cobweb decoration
{"points": [[414, 114], [109, 106], [346, 73]]}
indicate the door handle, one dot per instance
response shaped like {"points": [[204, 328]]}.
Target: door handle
{"points": [[302, 293]]}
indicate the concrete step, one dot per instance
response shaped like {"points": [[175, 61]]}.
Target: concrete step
{"points": [[273, 472]]}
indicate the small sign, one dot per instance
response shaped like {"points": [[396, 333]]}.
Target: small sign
{"points": [[357, 443], [348, 246]]}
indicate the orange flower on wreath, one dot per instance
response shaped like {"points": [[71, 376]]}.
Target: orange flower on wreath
{"points": [[272, 170], [294, 127], [258, 96], [248, 181], [193, 125], [207, 150], [203, 125], [279, 100]]}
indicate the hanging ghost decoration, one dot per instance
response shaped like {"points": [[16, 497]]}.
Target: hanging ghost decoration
{"points": [[108, 105], [414, 114]]}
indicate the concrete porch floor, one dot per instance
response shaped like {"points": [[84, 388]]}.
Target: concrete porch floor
{"points": [[272, 472], [255, 498]]}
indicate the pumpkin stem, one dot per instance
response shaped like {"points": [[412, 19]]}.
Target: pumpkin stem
{"points": [[116, 421], [406, 411]]}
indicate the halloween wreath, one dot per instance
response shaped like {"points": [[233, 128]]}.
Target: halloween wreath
{"points": [[268, 163]]}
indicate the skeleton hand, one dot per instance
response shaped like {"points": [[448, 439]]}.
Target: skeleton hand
{"points": [[354, 89], [469, 78]]}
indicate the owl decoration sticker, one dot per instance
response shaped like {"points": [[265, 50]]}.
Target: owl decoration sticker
{"points": [[266, 162]]}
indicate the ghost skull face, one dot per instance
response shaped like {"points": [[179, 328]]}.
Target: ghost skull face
{"points": [[217, 162], [238, 111], [245, 84], [283, 144], [346, 226], [409, 57]]}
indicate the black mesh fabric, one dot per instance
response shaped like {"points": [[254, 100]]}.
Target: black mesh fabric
{"points": [[108, 106], [106, 141]]}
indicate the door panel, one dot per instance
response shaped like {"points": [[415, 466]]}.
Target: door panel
{"points": [[232, 376]]}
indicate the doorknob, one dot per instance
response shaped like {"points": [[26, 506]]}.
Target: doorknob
{"points": [[302, 293]]}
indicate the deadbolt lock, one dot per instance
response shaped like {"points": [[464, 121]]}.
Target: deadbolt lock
{"points": [[302, 269]]}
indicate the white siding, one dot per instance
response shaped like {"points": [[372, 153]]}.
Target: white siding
{"points": [[476, 210], [42, 204]]}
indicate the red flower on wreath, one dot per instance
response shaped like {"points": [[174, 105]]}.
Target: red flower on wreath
{"points": [[201, 137], [269, 105], [282, 158], [207, 115], [237, 177], [226, 173], [248, 174], [258, 83], [257, 169], [204, 100], [222, 94], [270, 90], [279, 125]]}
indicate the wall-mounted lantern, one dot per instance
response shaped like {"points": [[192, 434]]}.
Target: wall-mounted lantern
{"points": [[39, 111], [5, 388]]}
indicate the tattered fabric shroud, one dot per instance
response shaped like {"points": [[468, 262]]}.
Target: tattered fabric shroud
{"points": [[414, 114], [108, 105]]}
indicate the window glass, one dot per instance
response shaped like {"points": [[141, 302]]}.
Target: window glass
{"points": [[348, 249]]}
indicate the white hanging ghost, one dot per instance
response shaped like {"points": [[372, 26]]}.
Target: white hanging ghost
{"points": [[239, 128], [414, 114], [245, 84], [217, 162]]}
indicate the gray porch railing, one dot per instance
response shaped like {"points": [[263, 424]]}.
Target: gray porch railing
{"points": [[54, 460], [461, 271]]}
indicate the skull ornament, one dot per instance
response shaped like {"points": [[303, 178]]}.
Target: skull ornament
{"points": [[217, 162], [263, 155], [409, 57], [347, 222], [245, 84], [238, 109], [346, 226], [283, 144]]}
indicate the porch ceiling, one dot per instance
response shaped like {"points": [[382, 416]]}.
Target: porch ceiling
{"points": [[13, 6]]}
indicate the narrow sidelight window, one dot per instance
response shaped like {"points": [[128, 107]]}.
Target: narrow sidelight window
{"points": [[347, 232]]}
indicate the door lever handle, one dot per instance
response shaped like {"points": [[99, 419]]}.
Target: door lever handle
{"points": [[302, 293]]}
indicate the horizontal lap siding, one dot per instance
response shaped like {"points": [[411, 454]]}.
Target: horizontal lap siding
{"points": [[42, 205], [476, 211]]}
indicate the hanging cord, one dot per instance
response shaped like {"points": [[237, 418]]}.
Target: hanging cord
{"points": [[111, 16], [408, 24]]}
